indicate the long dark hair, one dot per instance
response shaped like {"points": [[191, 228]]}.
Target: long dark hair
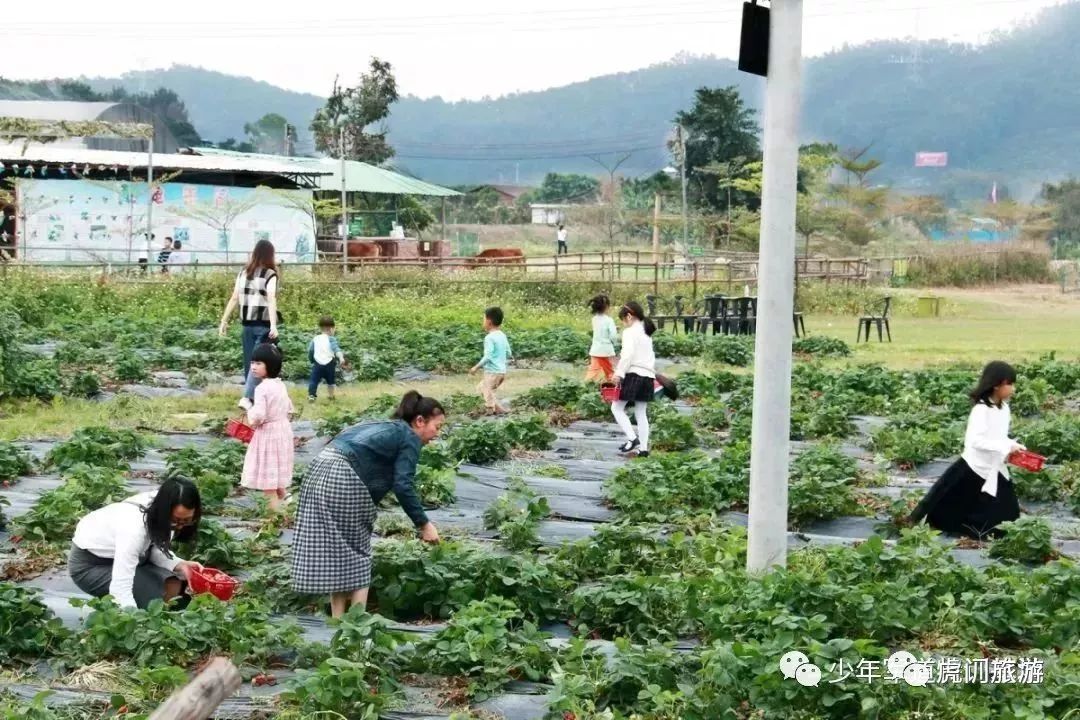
{"points": [[414, 405], [176, 490], [634, 309], [262, 256], [993, 375], [599, 304]]}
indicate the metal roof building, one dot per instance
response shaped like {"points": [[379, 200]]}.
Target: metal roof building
{"points": [[63, 110], [58, 158], [359, 176]]}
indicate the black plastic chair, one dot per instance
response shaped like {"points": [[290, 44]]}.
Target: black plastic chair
{"points": [[661, 320], [879, 315], [715, 306], [743, 318], [800, 323]]}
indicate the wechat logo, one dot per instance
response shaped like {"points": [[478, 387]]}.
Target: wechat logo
{"points": [[795, 665]]}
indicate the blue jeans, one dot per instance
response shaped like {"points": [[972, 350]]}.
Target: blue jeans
{"points": [[320, 373], [252, 336]]}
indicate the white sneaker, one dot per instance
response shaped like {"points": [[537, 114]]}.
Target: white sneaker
{"points": [[244, 404]]}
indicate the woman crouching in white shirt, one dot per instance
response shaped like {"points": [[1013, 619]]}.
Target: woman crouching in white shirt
{"points": [[125, 549], [636, 375], [975, 494]]}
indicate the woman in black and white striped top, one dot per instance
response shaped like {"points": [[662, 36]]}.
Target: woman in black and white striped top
{"points": [[255, 292]]}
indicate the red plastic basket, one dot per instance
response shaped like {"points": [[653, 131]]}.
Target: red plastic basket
{"points": [[237, 429], [609, 393], [1027, 460], [214, 582]]}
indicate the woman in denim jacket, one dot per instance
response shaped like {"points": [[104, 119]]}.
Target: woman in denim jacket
{"points": [[338, 500]]}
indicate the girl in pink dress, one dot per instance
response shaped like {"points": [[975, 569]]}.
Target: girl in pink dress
{"points": [[268, 465]]}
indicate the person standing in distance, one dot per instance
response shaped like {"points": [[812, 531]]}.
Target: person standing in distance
{"points": [[561, 236]]}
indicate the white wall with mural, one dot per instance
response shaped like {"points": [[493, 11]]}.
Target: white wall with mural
{"points": [[104, 221]]}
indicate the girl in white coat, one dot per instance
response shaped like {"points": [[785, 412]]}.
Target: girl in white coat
{"points": [[975, 494], [636, 375]]}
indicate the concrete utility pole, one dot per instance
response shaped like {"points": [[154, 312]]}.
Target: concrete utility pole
{"points": [[772, 357]]}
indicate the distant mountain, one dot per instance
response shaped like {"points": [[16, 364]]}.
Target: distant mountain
{"points": [[1005, 112]]}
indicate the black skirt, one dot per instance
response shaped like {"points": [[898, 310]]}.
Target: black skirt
{"points": [[956, 504], [636, 388]]}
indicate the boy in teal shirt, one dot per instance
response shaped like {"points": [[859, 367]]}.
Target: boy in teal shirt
{"points": [[493, 363]]}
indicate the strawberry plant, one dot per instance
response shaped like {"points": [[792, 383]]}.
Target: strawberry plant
{"points": [[97, 445], [640, 607], [737, 350], [529, 433], [671, 430], [562, 392], [1025, 540], [28, 629], [358, 690], [130, 368], [59, 510], [223, 457], [821, 346], [14, 461], [516, 515], [436, 476], [672, 485], [242, 628], [85, 384], [487, 642], [1044, 486], [412, 580], [1055, 436], [698, 385], [215, 547], [821, 486], [479, 443]]}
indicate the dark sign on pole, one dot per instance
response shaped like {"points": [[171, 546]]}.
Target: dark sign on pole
{"points": [[754, 45]]}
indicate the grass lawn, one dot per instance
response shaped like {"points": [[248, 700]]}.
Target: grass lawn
{"points": [[1011, 323], [32, 419]]}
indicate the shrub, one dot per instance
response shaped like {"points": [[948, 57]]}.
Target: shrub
{"points": [[972, 269]]}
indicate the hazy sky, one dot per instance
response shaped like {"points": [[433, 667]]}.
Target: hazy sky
{"points": [[464, 49]]}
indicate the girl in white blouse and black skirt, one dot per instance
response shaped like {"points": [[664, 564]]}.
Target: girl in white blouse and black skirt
{"points": [[975, 494], [636, 375]]}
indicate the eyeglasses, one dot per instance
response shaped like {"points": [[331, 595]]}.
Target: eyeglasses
{"points": [[182, 522]]}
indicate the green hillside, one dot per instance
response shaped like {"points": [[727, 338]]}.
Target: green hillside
{"points": [[1004, 111]]}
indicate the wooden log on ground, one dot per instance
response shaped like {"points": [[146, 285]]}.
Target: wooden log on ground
{"points": [[200, 698]]}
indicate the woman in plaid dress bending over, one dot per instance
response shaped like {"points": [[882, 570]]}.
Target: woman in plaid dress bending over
{"points": [[343, 487]]}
